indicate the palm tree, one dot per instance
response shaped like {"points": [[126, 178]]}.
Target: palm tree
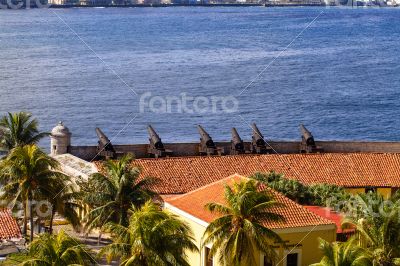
{"points": [[18, 129], [65, 203], [29, 174], [380, 234], [112, 194], [267, 177], [291, 188], [365, 206], [317, 194], [328, 195], [240, 231], [343, 254], [154, 237], [60, 250]]}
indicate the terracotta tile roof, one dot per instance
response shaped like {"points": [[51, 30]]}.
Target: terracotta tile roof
{"points": [[182, 174], [193, 204], [8, 225]]}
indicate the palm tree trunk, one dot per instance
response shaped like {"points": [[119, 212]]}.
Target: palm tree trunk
{"points": [[31, 219], [123, 219], [99, 238], [25, 220], [38, 222], [51, 220]]}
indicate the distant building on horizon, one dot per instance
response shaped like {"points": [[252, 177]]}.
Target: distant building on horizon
{"points": [[63, 2]]}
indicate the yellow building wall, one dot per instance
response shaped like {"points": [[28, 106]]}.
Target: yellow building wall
{"points": [[385, 192], [305, 243], [194, 258], [355, 190]]}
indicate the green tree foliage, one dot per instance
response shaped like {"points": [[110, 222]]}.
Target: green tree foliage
{"points": [[343, 254], [57, 250], [65, 203], [240, 231], [291, 188], [28, 174], [112, 194], [154, 237], [18, 129], [316, 194], [366, 206], [328, 195], [377, 223]]}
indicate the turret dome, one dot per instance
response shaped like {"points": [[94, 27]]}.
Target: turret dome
{"points": [[60, 130]]}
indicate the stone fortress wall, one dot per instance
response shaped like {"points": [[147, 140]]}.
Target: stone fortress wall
{"points": [[281, 147], [61, 144]]}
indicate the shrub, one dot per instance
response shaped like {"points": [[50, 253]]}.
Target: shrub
{"points": [[317, 194]]}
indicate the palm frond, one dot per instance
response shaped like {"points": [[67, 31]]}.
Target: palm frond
{"points": [[240, 231]]}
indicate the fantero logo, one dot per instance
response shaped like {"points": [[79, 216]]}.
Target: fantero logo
{"points": [[23, 4]]}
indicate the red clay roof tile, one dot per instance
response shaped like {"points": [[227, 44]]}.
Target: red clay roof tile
{"points": [[193, 203], [179, 175], [8, 225], [330, 215]]}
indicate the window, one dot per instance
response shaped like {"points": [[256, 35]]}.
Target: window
{"points": [[267, 261], [344, 236], [208, 261], [370, 189], [292, 259]]}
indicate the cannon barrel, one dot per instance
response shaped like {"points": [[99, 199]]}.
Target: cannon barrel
{"points": [[236, 140], [258, 144], [205, 137], [257, 136], [104, 148], [156, 148], [104, 142], [102, 137], [154, 138], [306, 135]]}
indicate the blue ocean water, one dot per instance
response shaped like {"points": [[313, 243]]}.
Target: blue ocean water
{"points": [[340, 76]]}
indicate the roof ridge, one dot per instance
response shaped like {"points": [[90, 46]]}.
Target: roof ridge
{"points": [[208, 185], [265, 155]]}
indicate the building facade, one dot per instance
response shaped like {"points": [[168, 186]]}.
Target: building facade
{"points": [[300, 230]]}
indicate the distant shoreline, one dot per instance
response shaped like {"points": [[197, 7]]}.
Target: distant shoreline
{"points": [[212, 5], [191, 5]]}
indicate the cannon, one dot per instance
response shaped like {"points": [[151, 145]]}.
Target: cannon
{"points": [[258, 144], [156, 147], [237, 146], [307, 144], [207, 145], [104, 148]]}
